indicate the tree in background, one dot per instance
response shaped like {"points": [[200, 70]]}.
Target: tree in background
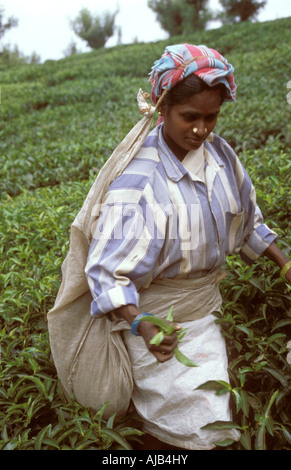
{"points": [[12, 55], [6, 24], [95, 30], [181, 16], [71, 49], [236, 11]]}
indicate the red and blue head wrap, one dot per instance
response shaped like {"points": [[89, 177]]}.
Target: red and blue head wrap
{"points": [[180, 61]]}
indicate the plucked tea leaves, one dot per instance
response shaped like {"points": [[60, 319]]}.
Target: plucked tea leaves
{"points": [[168, 329]]}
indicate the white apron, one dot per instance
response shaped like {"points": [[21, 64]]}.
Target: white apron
{"points": [[164, 394]]}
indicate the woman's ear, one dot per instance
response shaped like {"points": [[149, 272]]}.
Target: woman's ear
{"points": [[162, 109]]}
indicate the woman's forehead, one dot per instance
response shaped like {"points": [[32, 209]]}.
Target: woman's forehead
{"points": [[201, 103]]}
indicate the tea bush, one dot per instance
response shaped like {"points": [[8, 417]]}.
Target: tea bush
{"points": [[34, 413], [59, 123]]}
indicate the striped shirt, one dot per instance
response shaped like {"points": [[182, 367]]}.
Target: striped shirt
{"points": [[159, 219]]}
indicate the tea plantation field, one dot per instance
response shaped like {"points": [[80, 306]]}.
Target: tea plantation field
{"points": [[59, 122]]}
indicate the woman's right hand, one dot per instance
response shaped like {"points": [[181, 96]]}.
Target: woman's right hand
{"points": [[165, 350], [147, 330]]}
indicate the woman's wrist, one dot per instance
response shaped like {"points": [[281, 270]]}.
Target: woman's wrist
{"points": [[128, 312], [276, 255], [136, 323]]}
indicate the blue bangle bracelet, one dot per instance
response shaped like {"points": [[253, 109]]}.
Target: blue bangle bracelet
{"points": [[136, 322]]}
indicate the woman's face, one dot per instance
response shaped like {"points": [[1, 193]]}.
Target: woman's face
{"points": [[188, 124]]}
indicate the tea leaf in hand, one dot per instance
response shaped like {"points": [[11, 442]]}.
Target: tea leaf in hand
{"points": [[164, 327], [157, 339], [184, 359], [170, 314]]}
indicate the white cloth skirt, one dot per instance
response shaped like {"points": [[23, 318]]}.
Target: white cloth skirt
{"points": [[165, 394]]}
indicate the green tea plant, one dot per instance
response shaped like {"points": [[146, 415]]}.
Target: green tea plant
{"points": [[256, 322]]}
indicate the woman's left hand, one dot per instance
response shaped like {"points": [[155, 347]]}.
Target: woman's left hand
{"points": [[278, 257], [288, 276]]}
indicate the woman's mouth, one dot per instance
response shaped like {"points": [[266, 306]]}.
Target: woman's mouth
{"points": [[196, 142]]}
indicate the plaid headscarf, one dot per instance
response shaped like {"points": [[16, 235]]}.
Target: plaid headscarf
{"points": [[181, 60]]}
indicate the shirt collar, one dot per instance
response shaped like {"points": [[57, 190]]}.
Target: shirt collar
{"points": [[173, 167], [212, 152]]}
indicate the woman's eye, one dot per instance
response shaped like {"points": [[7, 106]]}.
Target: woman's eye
{"points": [[193, 117], [211, 117], [189, 117]]}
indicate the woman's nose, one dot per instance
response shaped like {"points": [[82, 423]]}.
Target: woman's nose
{"points": [[199, 128]]}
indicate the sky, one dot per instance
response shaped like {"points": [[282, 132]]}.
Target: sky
{"points": [[44, 26]]}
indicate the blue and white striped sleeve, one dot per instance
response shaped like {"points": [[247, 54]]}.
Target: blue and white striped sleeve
{"points": [[122, 255], [257, 235]]}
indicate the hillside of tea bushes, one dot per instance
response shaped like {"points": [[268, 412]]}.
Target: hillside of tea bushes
{"points": [[59, 122]]}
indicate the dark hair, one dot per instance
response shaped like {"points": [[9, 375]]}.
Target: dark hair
{"points": [[188, 87]]}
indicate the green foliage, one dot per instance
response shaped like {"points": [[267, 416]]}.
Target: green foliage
{"points": [[36, 416], [11, 55], [240, 10], [6, 24], [256, 322], [94, 30], [181, 16], [59, 122], [34, 234]]}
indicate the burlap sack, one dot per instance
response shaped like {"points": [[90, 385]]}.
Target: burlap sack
{"points": [[90, 357]]}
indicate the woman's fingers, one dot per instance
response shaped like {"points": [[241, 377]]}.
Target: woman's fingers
{"points": [[165, 350], [163, 357]]}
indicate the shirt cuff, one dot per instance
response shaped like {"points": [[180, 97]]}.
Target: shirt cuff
{"points": [[114, 298], [257, 242]]}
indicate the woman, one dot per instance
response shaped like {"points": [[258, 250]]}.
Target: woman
{"points": [[167, 222]]}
